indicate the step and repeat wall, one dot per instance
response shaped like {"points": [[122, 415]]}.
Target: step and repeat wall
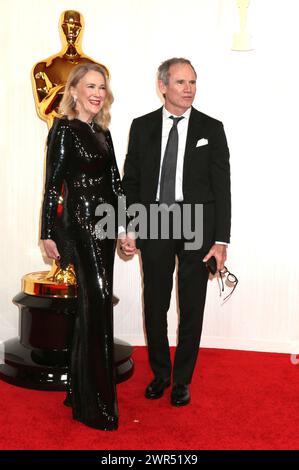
{"points": [[254, 92]]}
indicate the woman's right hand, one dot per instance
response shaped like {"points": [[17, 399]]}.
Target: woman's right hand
{"points": [[51, 249]]}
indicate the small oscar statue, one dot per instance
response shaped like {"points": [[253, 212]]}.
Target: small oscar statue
{"points": [[242, 39]]}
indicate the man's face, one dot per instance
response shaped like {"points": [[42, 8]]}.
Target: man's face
{"points": [[180, 90]]}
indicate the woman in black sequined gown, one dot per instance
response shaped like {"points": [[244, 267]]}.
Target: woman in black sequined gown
{"points": [[80, 157]]}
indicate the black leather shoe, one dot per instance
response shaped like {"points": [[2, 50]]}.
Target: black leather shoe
{"points": [[156, 388], [180, 395]]}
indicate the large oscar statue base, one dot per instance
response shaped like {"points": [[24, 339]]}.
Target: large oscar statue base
{"points": [[38, 358]]}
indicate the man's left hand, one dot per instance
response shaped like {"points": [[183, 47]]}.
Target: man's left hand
{"points": [[220, 252]]}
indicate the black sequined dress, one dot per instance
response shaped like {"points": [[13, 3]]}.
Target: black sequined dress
{"points": [[81, 160]]}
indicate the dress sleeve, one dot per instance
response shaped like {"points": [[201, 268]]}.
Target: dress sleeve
{"points": [[58, 145], [115, 178]]}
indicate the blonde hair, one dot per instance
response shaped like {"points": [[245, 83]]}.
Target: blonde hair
{"points": [[67, 106]]}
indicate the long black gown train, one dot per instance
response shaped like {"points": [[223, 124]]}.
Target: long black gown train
{"points": [[82, 160]]}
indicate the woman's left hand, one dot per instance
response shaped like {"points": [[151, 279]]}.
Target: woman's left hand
{"points": [[51, 249]]}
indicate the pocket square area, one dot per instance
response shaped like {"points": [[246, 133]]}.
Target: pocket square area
{"points": [[202, 142]]}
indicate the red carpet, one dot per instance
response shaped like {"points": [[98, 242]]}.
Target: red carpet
{"points": [[240, 400]]}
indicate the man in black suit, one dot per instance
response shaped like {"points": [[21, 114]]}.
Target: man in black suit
{"points": [[197, 143]]}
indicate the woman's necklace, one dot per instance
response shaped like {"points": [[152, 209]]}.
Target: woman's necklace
{"points": [[91, 125]]}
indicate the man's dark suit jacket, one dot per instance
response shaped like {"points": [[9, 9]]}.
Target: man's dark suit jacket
{"points": [[206, 171]]}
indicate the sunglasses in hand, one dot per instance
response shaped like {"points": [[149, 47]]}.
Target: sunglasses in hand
{"points": [[225, 275]]}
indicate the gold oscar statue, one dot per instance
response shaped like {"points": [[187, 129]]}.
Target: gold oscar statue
{"points": [[242, 39], [48, 80], [50, 75]]}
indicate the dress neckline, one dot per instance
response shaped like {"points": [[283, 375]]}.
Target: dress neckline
{"points": [[91, 125]]}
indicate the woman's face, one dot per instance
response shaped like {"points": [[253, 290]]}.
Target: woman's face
{"points": [[89, 94]]}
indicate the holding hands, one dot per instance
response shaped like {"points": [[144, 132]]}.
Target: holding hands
{"points": [[127, 243]]}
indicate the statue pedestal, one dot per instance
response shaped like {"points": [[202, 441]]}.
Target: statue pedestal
{"points": [[38, 358]]}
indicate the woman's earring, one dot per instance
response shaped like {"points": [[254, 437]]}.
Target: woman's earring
{"points": [[75, 100]]}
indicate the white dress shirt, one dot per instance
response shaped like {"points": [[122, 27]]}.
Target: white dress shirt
{"points": [[182, 127]]}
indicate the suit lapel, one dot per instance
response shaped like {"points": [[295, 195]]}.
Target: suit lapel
{"points": [[195, 132]]}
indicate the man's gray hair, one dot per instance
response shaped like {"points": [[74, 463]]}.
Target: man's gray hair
{"points": [[163, 70]]}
